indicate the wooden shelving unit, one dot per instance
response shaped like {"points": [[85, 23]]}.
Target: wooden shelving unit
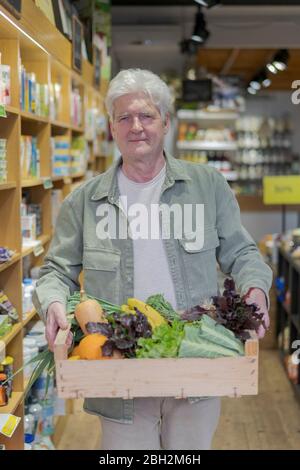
{"points": [[288, 314], [49, 56]]}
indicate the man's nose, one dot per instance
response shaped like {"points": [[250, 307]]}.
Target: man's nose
{"points": [[136, 125]]}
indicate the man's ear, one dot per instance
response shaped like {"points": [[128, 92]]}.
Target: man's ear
{"points": [[111, 126], [167, 123]]}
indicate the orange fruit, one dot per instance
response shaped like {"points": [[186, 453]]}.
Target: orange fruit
{"points": [[90, 346], [75, 351]]}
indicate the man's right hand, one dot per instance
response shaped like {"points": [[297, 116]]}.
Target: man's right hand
{"points": [[56, 319]]}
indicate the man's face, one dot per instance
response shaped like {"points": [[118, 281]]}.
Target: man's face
{"points": [[137, 126]]}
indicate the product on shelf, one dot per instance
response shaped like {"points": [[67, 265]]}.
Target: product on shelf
{"points": [[194, 132], [27, 292], [3, 160], [3, 390], [30, 157], [7, 309], [60, 155], [5, 94], [55, 101], [28, 226], [76, 108], [37, 210], [79, 155], [7, 368], [34, 96], [5, 254]]}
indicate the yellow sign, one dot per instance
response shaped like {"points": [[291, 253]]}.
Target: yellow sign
{"points": [[281, 189]]}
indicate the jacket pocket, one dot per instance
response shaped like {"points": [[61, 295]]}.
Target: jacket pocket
{"points": [[208, 241], [200, 265], [101, 270]]}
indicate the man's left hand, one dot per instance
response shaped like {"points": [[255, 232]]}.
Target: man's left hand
{"points": [[258, 297]]}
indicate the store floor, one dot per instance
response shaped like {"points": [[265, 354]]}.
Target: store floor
{"points": [[269, 421]]}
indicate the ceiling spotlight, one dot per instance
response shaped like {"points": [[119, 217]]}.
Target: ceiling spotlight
{"points": [[255, 84], [251, 90], [200, 33], [281, 59], [272, 68], [208, 3]]}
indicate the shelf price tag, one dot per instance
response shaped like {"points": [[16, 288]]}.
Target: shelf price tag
{"points": [[281, 189], [38, 250], [8, 424], [47, 183]]}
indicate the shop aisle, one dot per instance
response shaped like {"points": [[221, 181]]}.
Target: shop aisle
{"points": [[269, 421]]}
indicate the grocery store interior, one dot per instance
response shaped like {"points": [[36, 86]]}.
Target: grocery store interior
{"points": [[233, 68]]}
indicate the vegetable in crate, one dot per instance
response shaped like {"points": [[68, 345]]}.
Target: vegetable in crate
{"points": [[88, 310], [231, 311], [123, 331], [206, 338], [165, 341], [154, 318], [161, 305]]}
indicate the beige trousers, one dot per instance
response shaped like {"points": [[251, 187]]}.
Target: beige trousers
{"points": [[164, 423]]}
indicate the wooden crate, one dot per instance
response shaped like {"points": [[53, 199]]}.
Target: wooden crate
{"points": [[178, 377]]}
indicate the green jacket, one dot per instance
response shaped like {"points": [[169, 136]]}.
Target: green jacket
{"points": [[108, 264]]}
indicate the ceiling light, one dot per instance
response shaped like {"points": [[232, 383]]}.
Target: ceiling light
{"points": [[280, 59], [272, 68], [255, 84], [200, 33], [208, 3], [251, 90]]}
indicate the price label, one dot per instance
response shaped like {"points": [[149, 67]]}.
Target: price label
{"points": [[281, 189], [8, 424], [67, 180], [47, 183], [38, 250]]}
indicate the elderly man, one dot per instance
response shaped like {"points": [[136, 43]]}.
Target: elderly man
{"points": [[177, 261]]}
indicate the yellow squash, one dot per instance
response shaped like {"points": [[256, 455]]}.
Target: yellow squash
{"points": [[155, 319]]}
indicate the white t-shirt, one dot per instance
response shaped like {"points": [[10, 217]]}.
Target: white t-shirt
{"points": [[151, 270]]}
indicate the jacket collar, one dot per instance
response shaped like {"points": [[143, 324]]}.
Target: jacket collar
{"points": [[108, 186]]}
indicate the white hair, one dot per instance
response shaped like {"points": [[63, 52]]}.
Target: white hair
{"points": [[139, 81]]}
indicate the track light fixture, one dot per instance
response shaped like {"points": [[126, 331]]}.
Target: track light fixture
{"points": [[279, 61], [208, 3], [200, 33], [258, 81]]}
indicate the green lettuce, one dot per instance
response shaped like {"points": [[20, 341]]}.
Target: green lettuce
{"points": [[165, 341]]}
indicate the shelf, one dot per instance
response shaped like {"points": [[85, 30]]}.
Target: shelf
{"points": [[12, 110], [43, 239], [9, 336], [29, 183], [29, 317], [16, 257], [78, 175], [60, 124], [13, 403], [8, 185], [207, 115], [79, 130], [33, 117], [199, 145]]}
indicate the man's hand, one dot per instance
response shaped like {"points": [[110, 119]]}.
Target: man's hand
{"points": [[56, 318], [258, 297]]}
